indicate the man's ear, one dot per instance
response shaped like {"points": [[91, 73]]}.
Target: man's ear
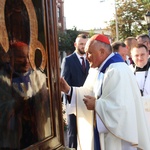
{"points": [[75, 44]]}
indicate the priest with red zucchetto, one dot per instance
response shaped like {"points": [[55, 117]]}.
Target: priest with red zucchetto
{"points": [[109, 110]]}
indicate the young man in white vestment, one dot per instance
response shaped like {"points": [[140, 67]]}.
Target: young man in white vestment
{"points": [[141, 69], [109, 101]]}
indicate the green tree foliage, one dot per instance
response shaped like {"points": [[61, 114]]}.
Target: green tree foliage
{"points": [[147, 1], [130, 16], [91, 33], [66, 40]]}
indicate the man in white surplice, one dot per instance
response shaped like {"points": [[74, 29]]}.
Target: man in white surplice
{"points": [[111, 95], [141, 69]]}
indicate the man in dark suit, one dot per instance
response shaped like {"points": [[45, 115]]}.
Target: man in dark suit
{"points": [[74, 69]]}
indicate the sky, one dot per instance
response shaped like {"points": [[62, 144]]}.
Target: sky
{"points": [[88, 14]]}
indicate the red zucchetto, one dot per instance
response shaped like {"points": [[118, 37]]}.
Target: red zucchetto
{"points": [[18, 44], [101, 38]]}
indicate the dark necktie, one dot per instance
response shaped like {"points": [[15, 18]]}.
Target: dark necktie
{"points": [[131, 61], [83, 64]]}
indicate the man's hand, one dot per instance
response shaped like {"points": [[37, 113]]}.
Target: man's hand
{"points": [[64, 87], [89, 102]]}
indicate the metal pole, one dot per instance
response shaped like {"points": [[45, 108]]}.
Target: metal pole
{"points": [[149, 33], [116, 19], [148, 29]]}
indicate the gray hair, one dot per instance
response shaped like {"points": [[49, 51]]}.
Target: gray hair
{"points": [[102, 45]]}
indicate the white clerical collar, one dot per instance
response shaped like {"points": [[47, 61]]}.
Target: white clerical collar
{"points": [[101, 66]]}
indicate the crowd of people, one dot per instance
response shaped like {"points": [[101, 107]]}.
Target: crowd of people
{"points": [[112, 107], [105, 87]]}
